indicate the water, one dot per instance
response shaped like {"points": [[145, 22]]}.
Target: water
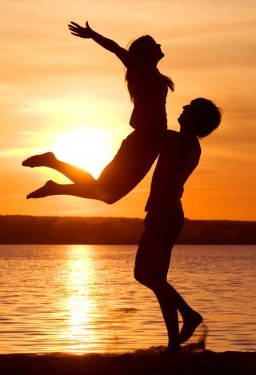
{"points": [[84, 299]]}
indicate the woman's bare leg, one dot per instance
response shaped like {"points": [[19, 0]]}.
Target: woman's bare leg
{"points": [[49, 160], [85, 185], [117, 179], [77, 190]]}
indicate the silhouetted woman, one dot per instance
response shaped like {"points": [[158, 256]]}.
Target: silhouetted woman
{"points": [[148, 89]]}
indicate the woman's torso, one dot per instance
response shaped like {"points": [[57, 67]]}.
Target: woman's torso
{"points": [[149, 97]]}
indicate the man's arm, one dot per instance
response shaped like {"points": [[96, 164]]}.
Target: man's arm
{"points": [[108, 44]]}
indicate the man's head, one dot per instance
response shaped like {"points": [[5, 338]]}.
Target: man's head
{"points": [[200, 117]]}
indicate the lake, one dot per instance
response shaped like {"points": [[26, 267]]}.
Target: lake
{"points": [[83, 298]]}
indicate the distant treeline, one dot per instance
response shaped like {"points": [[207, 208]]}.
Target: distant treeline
{"points": [[99, 230]]}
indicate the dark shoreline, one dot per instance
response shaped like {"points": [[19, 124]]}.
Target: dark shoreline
{"points": [[138, 363], [53, 230]]}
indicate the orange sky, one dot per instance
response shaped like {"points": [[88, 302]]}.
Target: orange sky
{"points": [[68, 95]]}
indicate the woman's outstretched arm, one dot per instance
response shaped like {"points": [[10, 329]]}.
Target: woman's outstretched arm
{"points": [[108, 44]]}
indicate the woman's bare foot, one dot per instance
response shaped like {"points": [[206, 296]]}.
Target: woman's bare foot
{"points": [[190, 324], [42, 160], [48, 189]]}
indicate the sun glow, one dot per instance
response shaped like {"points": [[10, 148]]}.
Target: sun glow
{"points": [[90, 148]]}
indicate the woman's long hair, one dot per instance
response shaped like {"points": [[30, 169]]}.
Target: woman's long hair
{"points": [[140, 51]]}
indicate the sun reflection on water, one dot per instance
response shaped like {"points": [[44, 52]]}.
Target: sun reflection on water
{"points": [[80, 330]]}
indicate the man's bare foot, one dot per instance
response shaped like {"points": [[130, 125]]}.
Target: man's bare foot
{"points": [[199, 345], [174, 353], [44, 191], [189, 326], [42, 160]]}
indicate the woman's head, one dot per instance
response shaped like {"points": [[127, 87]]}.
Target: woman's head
{"points": [[146, 48], [201, 117], [144, 53]]}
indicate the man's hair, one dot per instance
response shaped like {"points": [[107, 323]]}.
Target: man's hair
{"points": [[206, 116]]}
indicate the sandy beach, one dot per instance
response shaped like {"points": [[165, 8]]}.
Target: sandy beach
{"points": [[139, 363]]}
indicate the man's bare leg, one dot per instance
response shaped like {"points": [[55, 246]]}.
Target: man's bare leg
{"points": [[169, 311], [191, 318]]}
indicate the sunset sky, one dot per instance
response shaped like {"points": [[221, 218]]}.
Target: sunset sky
{"points": [[68, 95]]}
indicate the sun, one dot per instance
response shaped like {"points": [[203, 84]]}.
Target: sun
{"points": [[90, 149]]}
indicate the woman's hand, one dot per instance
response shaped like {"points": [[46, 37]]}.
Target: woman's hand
{"points": [[82, 32], [108, 44]]}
